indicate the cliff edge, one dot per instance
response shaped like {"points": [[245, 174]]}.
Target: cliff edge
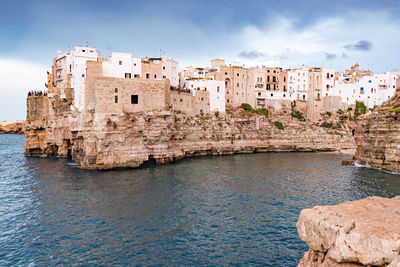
{"points": [[377, 136], [106, 141], [359, 233]]}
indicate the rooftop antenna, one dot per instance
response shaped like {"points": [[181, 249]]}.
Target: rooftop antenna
{"points": [[160, 52], [109, 49], [87, 43]]}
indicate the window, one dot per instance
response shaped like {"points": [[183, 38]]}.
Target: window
{"points": [[164, 77], [284, 95], [116, 99], [284, 79], [116, 90], [120, 62], [217, 89], [83, 50], [134, 64], [128, 75], [237, 85], [259, 94], [83, 75], [136, 76], [318, 96], [268, 71], [272, 94], [134, 99], [327, 75], [155, 76], [304, 97], [147, 75], [237, 74], [268, 79], [284, 88], [226, 73], [163, 67], [274, 87]]}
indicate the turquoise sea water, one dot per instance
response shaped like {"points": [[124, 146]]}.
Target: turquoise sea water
{"points": [[213, 211]]}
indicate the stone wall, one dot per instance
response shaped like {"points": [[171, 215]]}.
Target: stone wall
{"points": [[37, 107]]}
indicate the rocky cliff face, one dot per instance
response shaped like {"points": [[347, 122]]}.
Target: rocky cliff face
{"points": [[12, 127], [359, 233], [127, 140], [377, 136]]}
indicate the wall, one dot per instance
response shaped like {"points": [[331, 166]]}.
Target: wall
{"points": [[37, 107]]}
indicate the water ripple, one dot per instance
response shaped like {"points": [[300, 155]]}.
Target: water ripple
{"points": [[233, 210]]}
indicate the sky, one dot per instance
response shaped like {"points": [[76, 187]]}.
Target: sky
{"points": [[289, 33]]}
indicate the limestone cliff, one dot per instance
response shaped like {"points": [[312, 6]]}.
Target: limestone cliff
{"points": [[359, 233], [12, 127], [104, 141], [377, 136]]}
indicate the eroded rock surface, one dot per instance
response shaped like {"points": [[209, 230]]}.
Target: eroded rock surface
{"points": [[358, 233], [377, 136]]}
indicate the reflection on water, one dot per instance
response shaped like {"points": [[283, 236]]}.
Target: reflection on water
{"points": [[239, 209]]}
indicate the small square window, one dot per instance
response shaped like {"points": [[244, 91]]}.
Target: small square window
{"points": [[163, 67], [116, 90], [120, 62], [155, 76], [116, 99], [83, 75], [134, 99]]}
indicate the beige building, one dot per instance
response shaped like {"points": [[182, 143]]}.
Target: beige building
{"points": [[315, 104]]}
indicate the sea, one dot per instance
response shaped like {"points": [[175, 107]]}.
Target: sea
{"points": [[238, 210]]}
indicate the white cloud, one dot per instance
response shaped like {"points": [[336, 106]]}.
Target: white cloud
{"points": [[284, 38], [17, 77]]}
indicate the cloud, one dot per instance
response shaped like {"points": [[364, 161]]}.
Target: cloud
{"points": [[362, 45], [344, 55], [251, 55], [330, 56]]}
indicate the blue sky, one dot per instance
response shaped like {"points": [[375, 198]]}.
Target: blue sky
{"points": [[286, 33]]}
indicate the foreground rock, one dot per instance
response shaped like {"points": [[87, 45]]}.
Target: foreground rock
{"points": [[12, 127], [359, 233]]}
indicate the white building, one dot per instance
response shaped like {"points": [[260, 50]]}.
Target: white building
{"points": [[170, 70], [298, 83], [122, 65], [70, 69], [216, 89], [372, 90]]}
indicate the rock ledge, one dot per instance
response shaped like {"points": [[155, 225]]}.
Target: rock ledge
{"points": [[359, 233]]}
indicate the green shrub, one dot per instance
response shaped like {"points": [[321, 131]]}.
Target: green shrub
{"points": [[297, 114], [279, 125], [115, 125], [328, 113], [217, 114], [349, 109], [326, 124], [359, 110], [247, 107], [220, 124], [338, 125], [177, 119], [262, 111], [340, 112]]}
